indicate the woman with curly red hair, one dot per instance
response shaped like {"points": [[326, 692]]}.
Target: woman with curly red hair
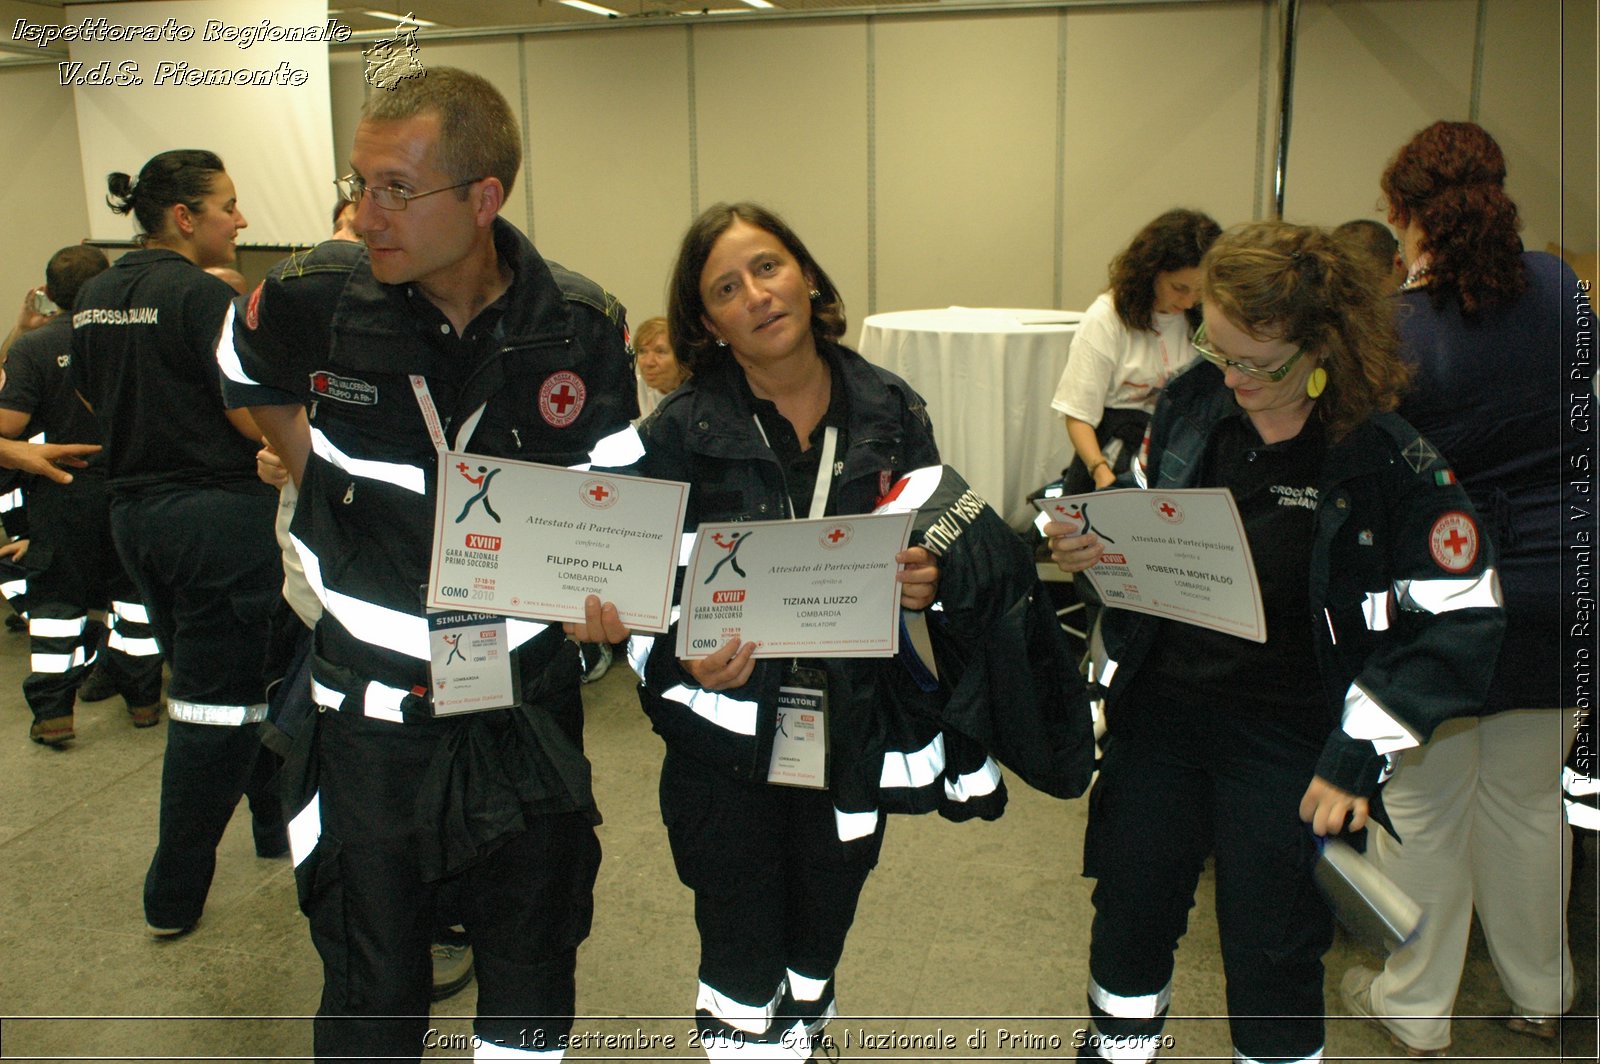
{"points": [[1489, 330]]}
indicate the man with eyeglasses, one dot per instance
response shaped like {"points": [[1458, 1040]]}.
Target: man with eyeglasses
{"points": [[445, 328]]}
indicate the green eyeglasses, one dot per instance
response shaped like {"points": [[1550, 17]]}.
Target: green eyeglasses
{"points": [[1271, 376]]}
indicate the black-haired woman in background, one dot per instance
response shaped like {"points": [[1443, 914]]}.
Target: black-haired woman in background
{"points": [[190, 519], [1134, 338]]}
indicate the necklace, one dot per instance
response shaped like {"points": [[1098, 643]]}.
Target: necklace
{"points": [[1418, 275]]}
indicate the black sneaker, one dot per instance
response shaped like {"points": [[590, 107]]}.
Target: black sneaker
{"points": [[97, 686], [452, 968]]}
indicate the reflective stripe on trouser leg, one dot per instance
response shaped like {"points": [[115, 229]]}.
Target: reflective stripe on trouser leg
{"points": [[814, 1001], [1125, 1028], [129, 631], [733, 1030]]}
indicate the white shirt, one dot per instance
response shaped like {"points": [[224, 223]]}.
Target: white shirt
{"points": [[1112, 366]]}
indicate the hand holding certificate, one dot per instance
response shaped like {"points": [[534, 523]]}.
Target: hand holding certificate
{"points": [[1178, 554], [519, 539], [810, 588]]}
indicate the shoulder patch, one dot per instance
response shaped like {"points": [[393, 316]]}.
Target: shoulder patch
{"points": [[252, 309], [1419, 455], [561, 398], [1453, 542]]}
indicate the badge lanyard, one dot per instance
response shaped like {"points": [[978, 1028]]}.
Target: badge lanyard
{"points": [[800, 742], [470, 653]]}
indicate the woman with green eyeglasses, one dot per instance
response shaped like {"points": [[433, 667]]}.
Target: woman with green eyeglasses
{"points": [[1383, 617]]}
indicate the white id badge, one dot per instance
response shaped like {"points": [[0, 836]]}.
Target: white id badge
{"points": [[471, 663], [800, 745]]}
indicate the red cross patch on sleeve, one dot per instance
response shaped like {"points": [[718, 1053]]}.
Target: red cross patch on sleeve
{"points": [[1453, 542], [561, 398]]}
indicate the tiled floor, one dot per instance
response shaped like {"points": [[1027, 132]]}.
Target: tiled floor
{"points": [[972, 936]]}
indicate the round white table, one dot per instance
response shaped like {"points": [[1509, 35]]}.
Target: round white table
{"points": [[988, 375]]}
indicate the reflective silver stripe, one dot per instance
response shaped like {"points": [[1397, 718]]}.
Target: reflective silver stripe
{"points": [[1124, 1048], [1442, 596], [1140, 477], [1576, 785], [917, 769], [132, 612], [403, 632], [400, 474], [10, 500], [206, 713], [134, 648], [383, 702], [752, 1019], [1142, 1007], [519, 631], [623, 447], [979, 784], [37, 437], [305, 828], [56, 663], [852, 826], [1365, 718], [56, 628], [685, 547], [730, 714], [805, 988], [377, 700], [1107, 671], [326, 696], [1240, 1058], [1375, 610], [482, 1050], [12, 588], [1580, 815], [227, 356]]}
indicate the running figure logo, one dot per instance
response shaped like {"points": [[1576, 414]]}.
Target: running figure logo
{"points": [[481, 482], [454, 643], [735, 540]]}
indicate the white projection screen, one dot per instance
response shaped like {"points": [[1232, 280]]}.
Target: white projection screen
{"points": [[276, 139]]}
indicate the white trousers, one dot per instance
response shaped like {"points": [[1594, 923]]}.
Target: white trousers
{"points": [[1479, 810]]}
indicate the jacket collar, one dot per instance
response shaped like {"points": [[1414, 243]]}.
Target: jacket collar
{"points": [[376, 321], [722, 423]]}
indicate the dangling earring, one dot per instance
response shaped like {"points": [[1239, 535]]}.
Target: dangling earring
{"points": [[1317, 382], [815, 295]]}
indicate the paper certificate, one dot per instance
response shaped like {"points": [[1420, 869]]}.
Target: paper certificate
{"points": [[1180, 554], [527, 540], [810, 588]]}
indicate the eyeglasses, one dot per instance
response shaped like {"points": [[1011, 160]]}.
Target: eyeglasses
{"points": [[390, 198], [1271, 376]]}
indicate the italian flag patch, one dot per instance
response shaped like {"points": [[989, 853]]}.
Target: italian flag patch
{"points": [[1441, 477]]}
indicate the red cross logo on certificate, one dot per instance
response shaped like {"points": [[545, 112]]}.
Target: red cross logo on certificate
{"points": [[835, 536], [597, 494], [561, 398], [1168, 510]]}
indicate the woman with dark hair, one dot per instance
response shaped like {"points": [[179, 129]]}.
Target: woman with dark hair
{"points": [[1381, 613], [1492, 333], [190, 519], [778, 420], [1133, 339]]}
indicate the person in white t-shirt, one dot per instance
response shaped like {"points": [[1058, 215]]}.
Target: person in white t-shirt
{"points": [[1133, 339]]}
